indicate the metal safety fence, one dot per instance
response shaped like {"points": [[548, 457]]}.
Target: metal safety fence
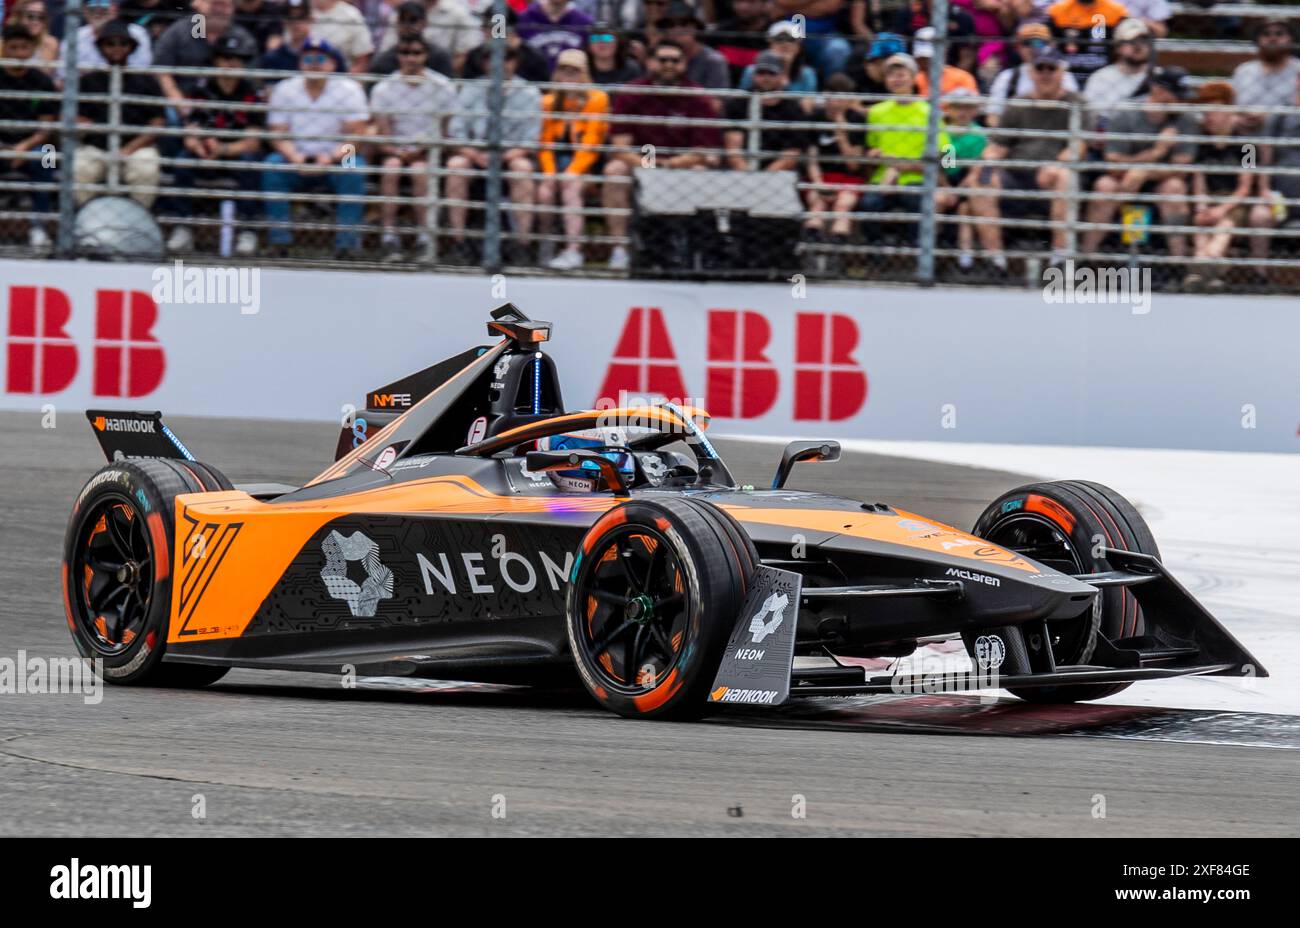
{"points": [[329, 168]]}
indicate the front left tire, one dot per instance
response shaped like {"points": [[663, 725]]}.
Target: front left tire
{"points": [[118, 562], [655, 590]]}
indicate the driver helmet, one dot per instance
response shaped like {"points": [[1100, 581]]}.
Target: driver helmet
{"points": [[587, 477]]}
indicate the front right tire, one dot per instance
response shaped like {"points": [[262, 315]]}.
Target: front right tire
{"points": [[1063, 524]]}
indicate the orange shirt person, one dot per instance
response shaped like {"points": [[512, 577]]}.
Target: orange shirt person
{"points": [[575, 127]]}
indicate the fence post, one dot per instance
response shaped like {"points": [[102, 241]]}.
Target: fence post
{"points": [[1079, 151], [496, 104], [66, 152], [929, 228]]}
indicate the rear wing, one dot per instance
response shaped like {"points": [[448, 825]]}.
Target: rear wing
{"points": [[135, 435]]}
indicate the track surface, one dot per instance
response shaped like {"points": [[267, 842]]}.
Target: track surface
{"points": [[288, 754]]}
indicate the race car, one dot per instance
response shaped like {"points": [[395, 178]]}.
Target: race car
{"points": [[472, 529]]}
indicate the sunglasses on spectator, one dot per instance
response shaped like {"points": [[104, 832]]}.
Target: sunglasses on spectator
{"points": [[315, 58], [412, 52], [668, 59], [600, 37], [569, 68], [1044, 67], [114, 43]]}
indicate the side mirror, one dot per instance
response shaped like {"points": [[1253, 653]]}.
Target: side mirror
{"points": [[817, 452], [539, 462]]}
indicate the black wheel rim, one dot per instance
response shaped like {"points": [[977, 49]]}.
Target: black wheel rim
{"points": [[112, 576], [1042, 540], [635, 609]]}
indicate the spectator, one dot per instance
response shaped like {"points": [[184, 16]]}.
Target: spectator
{"points": [[1029, 114], [263, 20], [1221, 184], [1154, 14], [912, 15], [451, 27], [412, 19], [641, 42], [991, 20], [834, 168], [99, 13], [551, 26], [741, 37], [530, 64], [1269, 79], [32, 16], [1168, 86], [704, 66], [783, 38], [828, 51], [1075, 23], [219, 134], [136, 153], [778, 147], [1018, 80], [27, 81], [180, 47], [569, 152], [521, 125], [297, 29], [673, 133], [1284, 154], [896, 132], [341, 25], [951, 77], [411, 104], [609, 60], [960, 109], [324, 119], [1122, 80], [870, 78]]}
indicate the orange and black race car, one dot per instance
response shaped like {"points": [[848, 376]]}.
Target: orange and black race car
{"points": [[471, 529]]}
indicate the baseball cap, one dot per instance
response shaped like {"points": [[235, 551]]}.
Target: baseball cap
{"points": [[961, 96], [1033, 31], [412, 10], [679, 13], [769, 61], [1131, 29], [1047, 55], [903, 59], [782, 27], [884, 45], [116, 30], [314, 44], [572, 57], [923, 42], [1173, 79], [232, 45]]}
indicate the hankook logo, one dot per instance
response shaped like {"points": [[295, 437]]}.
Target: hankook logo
{"points": [[103, 424]]}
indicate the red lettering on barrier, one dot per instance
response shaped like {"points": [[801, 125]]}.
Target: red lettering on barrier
{"points": [[128, 359], [42, 357], [742, 382], [644, 362], [829, 384]]}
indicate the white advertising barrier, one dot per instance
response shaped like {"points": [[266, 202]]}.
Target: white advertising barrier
{"points": [[854, 362]]}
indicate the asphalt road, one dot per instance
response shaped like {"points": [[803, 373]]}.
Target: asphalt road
{"points": [[289, 754]]}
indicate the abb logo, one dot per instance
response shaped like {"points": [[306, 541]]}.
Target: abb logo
{"points": [[43, 358], [741, 382]]}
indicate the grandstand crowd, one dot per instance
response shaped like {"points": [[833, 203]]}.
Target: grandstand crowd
{"points": [[592, 86]]}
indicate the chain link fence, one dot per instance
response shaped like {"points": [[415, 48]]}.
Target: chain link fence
{"points": [[934, 167]]}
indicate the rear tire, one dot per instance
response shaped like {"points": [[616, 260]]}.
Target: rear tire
{"points": [[655, 590], [118, 555], [1061, 524]]}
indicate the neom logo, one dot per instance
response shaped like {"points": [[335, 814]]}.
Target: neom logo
{"points": [[103, 881]]}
